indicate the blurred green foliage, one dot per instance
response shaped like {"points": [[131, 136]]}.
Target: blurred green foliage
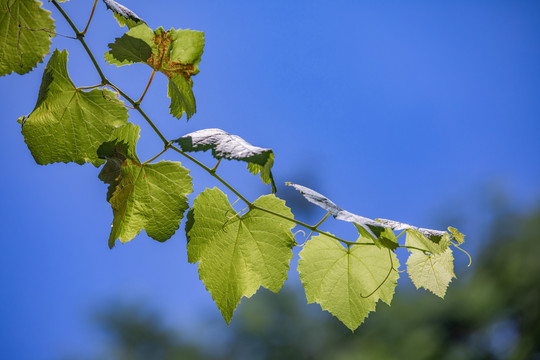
{"points": [[491, 312]]}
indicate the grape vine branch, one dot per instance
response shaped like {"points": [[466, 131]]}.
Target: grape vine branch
{"points": [[236, 254]]}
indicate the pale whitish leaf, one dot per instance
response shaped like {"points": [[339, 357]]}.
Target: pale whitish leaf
{"points": [[398, 226], [231, 147], [433, 272], [341, 280], [122, 14], [25, 32], [338, 213], [238, 254], [68, 124], [152, 197]]}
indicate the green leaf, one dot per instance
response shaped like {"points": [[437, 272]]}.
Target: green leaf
{"points": [[152, 197], [181, 95], [127, 134], [265, 171], [175, 53], [338, 213], [121, 146], [341, 280], [231, 147], [433, 272], [435, 241], [239, 254], [68, 124], [25, 30], [130, 49], [456, 235], [122, 14], [384, 237], [435, 245]]}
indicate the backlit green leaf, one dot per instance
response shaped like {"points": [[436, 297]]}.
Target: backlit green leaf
{"points": [[25, 30], [68, 124], [341, 280], [175, 53], [130, 48], [433, 272], [152, 197], [435, 245], [238, 254], [121, 146], [456, 235], [384, 237], [182, 99]]}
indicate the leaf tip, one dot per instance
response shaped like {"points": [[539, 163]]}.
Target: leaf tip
{"points": [[22, 119]]}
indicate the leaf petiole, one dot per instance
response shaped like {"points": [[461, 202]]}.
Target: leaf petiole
{"points": [[88, 87], [401, 233], [317, 225], [155, 157], [216, 166], [147, 86], [90, 18]]}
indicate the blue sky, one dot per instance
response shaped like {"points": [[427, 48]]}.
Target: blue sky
{"points": [[412, 111]]}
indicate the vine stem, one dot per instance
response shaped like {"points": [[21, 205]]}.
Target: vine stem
{"points": [[253, 206], [168, 144], [80, 37], [213, 173], [317, 225], [137, 107], [104, 80]]}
